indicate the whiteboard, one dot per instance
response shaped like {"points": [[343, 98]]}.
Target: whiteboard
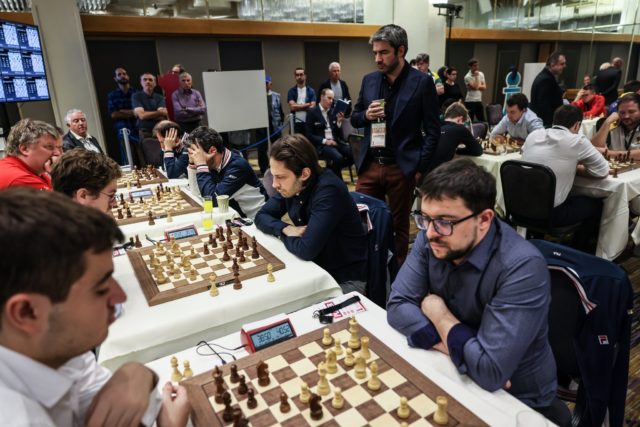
{"points": [[531, 70], [236, 100]]}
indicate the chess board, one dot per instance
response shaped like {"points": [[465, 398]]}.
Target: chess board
{"points": [[148, 175], [181, 285], [296, 360], [174, 200], [616, 167], [494, 150]]}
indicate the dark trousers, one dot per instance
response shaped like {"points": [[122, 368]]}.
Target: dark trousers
{"points": [[387, 180], [576, 209], [188, 127], [338, 156], [476, 111], [263, 149]]}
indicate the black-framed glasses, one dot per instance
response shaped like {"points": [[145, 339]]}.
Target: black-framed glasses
{"points": [[443, 227], [112, 197]]}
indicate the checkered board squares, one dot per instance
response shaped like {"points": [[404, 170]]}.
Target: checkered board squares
{"points": [[622, 167], [174, 200], [181, 284], [148, 175], [294, 361]]}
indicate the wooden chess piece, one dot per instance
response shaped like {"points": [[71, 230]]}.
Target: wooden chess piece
{"points": [[138, 243], [403, 410], [364, 348], [337, 348], [441, 417], [361, 368], [254, 249], [263, 374], [245, 245], [213, 290], [214, 243], [193, 274], [225, 255], [120, 216], [187, 373], [348, 358], [237, 284], [234, 378], [305, 395], [169, 217], [151, 221], [242, 388], [219, 382], [161, 278], [338, 401], [354, 340], [176, 375], [129, 215], [326, 337], [374, 382], [211, 239], [270, 277], [241, 257], [205, 249], [227, 414], [615, 172], [235, 267], [176, 272], [315, 407], [330, 361], [251, 400], [322, 387], [284, 403]]}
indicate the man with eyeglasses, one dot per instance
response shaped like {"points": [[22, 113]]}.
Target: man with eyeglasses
{"points": [[475, 290], [301, 98], [89, 178], [31, 148]]}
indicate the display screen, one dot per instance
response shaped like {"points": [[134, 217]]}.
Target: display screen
{"points": [[272, 336], [181, 234], [22, 70], [145, 193]]}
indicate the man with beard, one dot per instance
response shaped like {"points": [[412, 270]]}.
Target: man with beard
{"points": [[546, 93], [395, 105], [475, 290], [119, 106], [149, 107], [301, 98], [620, 132]]}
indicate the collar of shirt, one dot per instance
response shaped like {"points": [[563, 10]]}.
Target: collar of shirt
{"points": [[33, 379], [80, 138], [403, 74], [323, 111], [225, 160]]}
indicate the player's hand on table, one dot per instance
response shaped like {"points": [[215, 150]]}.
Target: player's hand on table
{"points": [[171, 139], [197, 154], [175, 407], [124, 398], [293, 231]]}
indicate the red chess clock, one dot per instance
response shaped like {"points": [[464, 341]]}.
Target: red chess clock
{"points": [[265, 333]]}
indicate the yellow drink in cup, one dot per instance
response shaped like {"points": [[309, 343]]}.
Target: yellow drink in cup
{"points": [[207, 221], [208, 204]]}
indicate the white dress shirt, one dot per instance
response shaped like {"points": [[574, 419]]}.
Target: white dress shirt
{"points": [[561, 150], [528, 122], [33, 394], [86, 142]]}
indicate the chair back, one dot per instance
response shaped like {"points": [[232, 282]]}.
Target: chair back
{"points": [[494, 114], [479, 130], [529, 191], [152, 152], [267, 182], [355, 141]]}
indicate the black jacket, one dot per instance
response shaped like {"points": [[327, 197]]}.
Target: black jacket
{"points": [[546, 96]]}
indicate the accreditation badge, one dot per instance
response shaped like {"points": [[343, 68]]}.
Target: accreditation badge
{"points": [[378, 132]]}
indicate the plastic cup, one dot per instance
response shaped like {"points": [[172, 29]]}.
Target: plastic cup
{"points": [[208, 204], [207, 221], [223, 203]]}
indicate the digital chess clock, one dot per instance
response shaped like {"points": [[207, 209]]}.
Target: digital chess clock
{"points": [[259, 335], [144, 193], [181, 233]]}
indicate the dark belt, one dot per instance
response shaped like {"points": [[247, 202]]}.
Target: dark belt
{"points": [[381, 160]]}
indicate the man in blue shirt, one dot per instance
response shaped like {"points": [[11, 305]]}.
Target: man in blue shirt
{"points": [[222, 171], [475, 290], [301, 98], [120, 109], [327, 228], [519, 122]]}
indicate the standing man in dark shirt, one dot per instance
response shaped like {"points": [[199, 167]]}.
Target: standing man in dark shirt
{"points": [[394, 148], [120, 109], [608, 80], [149, 107], [327, 228], [546, 93], [453, 133]]}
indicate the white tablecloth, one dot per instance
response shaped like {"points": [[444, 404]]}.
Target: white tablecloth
{"points": [[497, 409], [614, 225], [145, 333], [588, 127], [492, 164]]}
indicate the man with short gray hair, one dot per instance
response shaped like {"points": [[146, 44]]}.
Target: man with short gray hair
{"points": [[30, 147], [338, 86], [78, 135], [188, 104]]}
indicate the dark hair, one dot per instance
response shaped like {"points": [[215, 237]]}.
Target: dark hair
{"points": [[449, 70], [464, 179], [554, 58], [59, 233], [80, 168], [299, 69], [206, 138], [297, 153], [567, 115], [589, 87], [422, 57], [446, 104], [456, 110], [629, 97], [395, 35], [631, 86], [472, 61], [519, 99], [412, 62], [162, 127]]}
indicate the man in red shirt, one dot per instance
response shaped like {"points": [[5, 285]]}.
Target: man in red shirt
{"points": [[591, 104], [31, 145]]}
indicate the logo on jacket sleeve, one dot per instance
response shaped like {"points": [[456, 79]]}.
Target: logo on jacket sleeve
{"points": [[603, 339]]}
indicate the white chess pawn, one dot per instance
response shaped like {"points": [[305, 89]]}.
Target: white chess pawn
{"points": [[305, 395], [348, 358], [364, 348], [176, 375], [338, 401], [337, 348], [330, 361], [374, 381], [403, 410], [361, 368], [323, 384], [187, 373], [326, 337], [213, 291]]}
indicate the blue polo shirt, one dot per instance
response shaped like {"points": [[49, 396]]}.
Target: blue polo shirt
{"points": [[118, 100]]}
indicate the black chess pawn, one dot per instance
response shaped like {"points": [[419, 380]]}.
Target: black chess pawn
{"points": [[205, 249], [238, 250], [254, 250], [121, 199], [141, 201], [220, 234], [211, 239], [234, 378], [225, 255], [241, 257], [237, 284], [251, 400], [131, 198], [138, 243], [227, 414], [214, 243], [129, 213], [242, 388], [120, 216], [151, 221], [235, 267], [245, 245], [239, 420], [284, 403]]}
